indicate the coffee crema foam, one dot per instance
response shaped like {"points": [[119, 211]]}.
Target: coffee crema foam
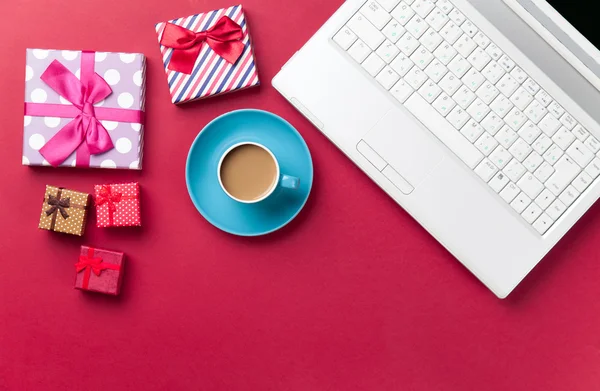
{"points": [[248, 172]]}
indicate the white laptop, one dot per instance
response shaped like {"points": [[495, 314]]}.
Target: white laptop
{"points": [[443, 111]]}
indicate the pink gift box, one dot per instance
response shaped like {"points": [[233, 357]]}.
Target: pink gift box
{"points": [[99, 271]]}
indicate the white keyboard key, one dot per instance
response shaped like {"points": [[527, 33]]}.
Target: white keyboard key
{"points": [[459, 66], [422, 57], [592, 144], [563, 138], [515, 119], [556, 209], [535, 111], [486, 143], [487, 92], [543, 223], [500, 157], [394, 30], [359, 51], [494, 51], [387, 51], [582, 182], [437, 19], [555, 109], [415, 78], [541, 144], [580, 153], [465, 45], [451, 32], [569, 196], [531, 86], [431, 40], [553, 154], [519, 75], [472, 130], [482, 40], [388, 5], [409, 2], [345, 38], [445, 53], [533, 161], [543, 97], [521, 98], [506, 63], [387, 78], [373, 64], [531, 213], [479, 59], [401, 91], [450, 84], [464, 97], [444, 104], [436, 71], [506, 136], [479, 110], [507, 85], [520, 149], [501, 105], [417, 27], [566, 171], [407, 44], [580, 132], [568, 121], [492, 123], [366, 31], [473, 79], [403, 13], [529, 132], [430, 91], [469, 28], [593, 169], [493, 72], [423, 7], [443, 131], [509, 192], [457, 17], [544, 172], [375, 14], [530, 185], [521, 202], [486, 170], [445, 6], [458, 117], [545, 199], [549, 125], [402, 64], [498, 182]]}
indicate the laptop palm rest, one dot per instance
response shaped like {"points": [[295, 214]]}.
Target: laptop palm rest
{"points": [[406, 147]]}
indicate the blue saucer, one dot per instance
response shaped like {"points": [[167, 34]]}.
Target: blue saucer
{"points": [[203, 184]]}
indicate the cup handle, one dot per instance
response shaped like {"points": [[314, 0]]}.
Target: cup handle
{"points": [[290, 182]]}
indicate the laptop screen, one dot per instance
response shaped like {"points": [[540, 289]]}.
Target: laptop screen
{"points": [[581, 16]]}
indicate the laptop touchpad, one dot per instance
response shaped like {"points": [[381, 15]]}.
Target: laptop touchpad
{"points": [[406, 146]]}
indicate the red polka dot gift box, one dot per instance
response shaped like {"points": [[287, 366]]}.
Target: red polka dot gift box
{"points": [[99, 270], [118, 205]]}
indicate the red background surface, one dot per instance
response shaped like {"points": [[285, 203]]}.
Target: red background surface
{"points": [[353, 295]]}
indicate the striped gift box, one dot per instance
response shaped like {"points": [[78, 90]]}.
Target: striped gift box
{"points": [[212, 75]]}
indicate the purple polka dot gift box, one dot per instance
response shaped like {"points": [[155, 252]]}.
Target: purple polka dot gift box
{"points": [[84, 109]]}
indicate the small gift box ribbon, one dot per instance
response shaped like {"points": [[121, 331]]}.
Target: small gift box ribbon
{"points": [[224, 38], [58, 204], [88, 264], [106, 195], [85, 134]]}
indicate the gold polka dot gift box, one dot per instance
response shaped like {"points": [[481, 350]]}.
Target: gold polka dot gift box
{"points": [[118, 205], [64, 211]]}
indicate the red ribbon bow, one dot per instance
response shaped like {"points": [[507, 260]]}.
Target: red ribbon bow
{"points": [[89, 263], [107, 196], [224, 38]]}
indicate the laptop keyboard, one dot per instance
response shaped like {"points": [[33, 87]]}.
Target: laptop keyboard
{"points": [[477, 101]]}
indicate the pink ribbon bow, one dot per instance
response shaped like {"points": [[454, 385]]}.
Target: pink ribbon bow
{"points": [[84, 134]]}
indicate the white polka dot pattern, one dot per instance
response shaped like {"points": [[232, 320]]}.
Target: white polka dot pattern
{"points": [[127, 210], [112, 77], [69, 55], [28, 73], [52, 122], [36, 141], [39, 96]]}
